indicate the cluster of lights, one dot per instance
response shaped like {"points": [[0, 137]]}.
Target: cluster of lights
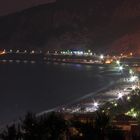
{"points": [[79, 53], [132, 113], [95, 105], [133, 79], [120, 95]]}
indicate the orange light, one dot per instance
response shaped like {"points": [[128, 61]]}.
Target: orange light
{"points": [[131, 54], [108, 61], [2, 52]]}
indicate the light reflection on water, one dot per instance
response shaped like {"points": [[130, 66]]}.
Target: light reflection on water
{"points": [[38, 87]]}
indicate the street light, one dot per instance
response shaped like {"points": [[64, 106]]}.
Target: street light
{"points": [[101, 56], [121, 68], [133, 87], [131, 71], [96, 104], [120, 95], [118, 62]]}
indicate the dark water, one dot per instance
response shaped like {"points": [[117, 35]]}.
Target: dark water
{"points": [[39, 87]]}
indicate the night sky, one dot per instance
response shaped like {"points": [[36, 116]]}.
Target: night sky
{"points": [[10, 6]]}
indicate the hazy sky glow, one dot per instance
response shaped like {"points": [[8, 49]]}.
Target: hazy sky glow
{"points": [[10, 6]]}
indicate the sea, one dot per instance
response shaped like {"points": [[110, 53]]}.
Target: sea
{"points": [[38, 87]]}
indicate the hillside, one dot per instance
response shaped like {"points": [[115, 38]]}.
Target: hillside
{"points": [[127, 17], [98, 25]]}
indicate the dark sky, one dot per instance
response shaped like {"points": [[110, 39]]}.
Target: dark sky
{"points": [[10, 6]]}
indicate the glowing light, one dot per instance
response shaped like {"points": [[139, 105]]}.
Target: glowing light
{"points": [[32, 52], [95, 104], [3, 52], [134, 115], [108, 62], [121, 68], [101, 56], [128, 98], [115, 104], [130, 71], [118, 62], [133, 78], [131, 54], [133, 87], [91, 54], [120, 95]]}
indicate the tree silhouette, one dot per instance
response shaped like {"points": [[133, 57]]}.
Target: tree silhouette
{"points": [[29, 127], [56, 126], [46, 127], [86, 129], [102, 123], [9, 133]]}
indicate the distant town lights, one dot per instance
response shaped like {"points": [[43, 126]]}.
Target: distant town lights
{"points": [[130, 71]]}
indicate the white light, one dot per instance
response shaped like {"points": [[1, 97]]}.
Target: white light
{"points": [[96, 104], [134, 115], [17, 51], [128, 98], [130, 71], [90, 109], [91, 54], [121, 68], [134, 87], [101, 56], [118, 62], [32, 51], [120, 95], [133, 78]]}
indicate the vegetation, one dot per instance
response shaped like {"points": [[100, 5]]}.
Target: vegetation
{"points": [[32, 127], [53, 126]]}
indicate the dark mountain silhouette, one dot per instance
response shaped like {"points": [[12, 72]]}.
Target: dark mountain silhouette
{"points": [[93, 24], [127, 17]]}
